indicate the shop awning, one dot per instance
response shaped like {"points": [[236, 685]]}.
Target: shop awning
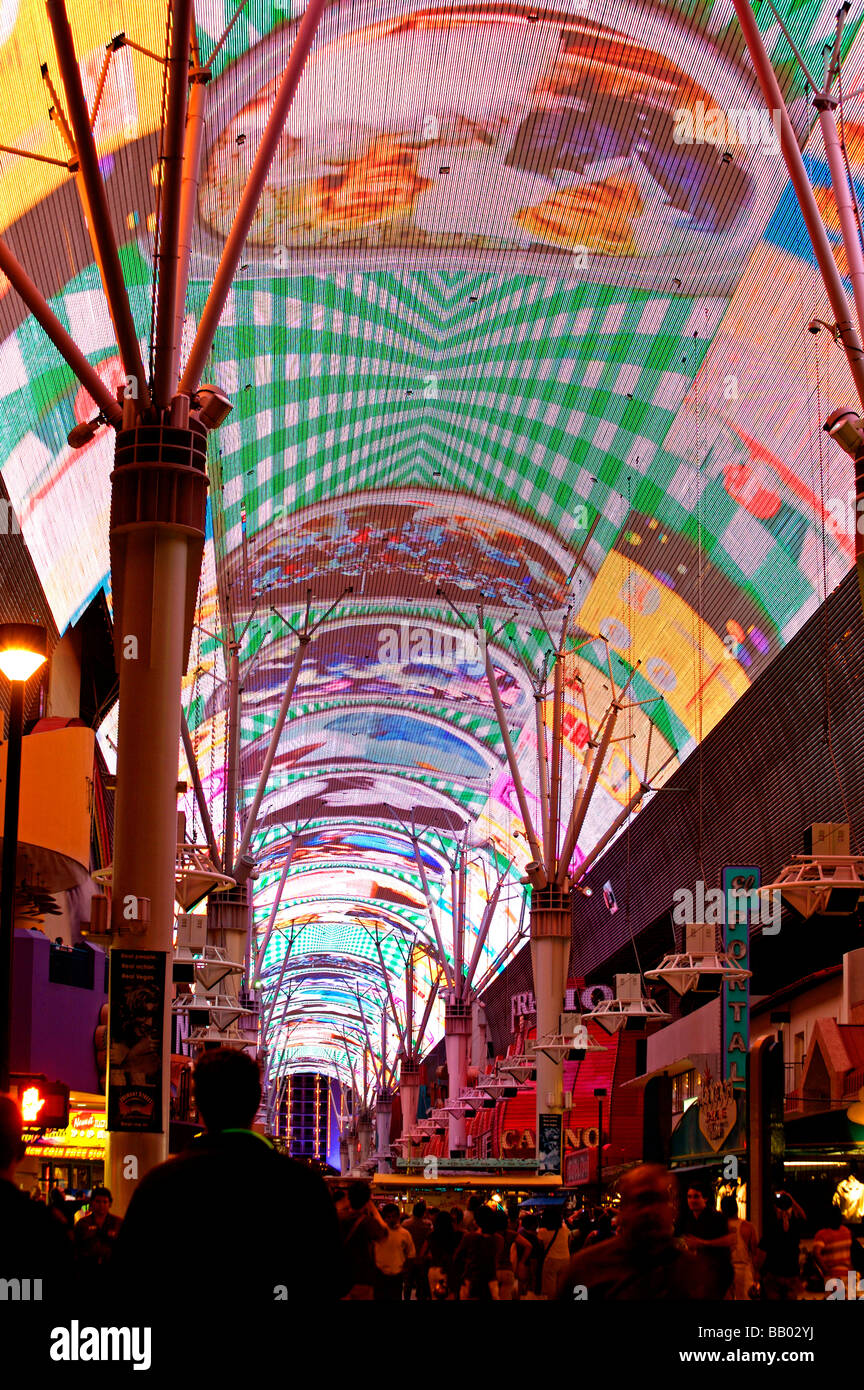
{"points": [[669, 1069]]}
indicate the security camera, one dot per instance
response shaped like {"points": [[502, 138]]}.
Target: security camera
{"points": [[815, 324], [246, 868], [80, 435], [847, 428], [213, 406]]}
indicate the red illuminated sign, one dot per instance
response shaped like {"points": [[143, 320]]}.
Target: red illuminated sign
{"points": [[44, 1104]]}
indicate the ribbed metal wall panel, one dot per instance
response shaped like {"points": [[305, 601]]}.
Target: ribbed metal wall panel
{"points": [[764, 774], [515, 979]]}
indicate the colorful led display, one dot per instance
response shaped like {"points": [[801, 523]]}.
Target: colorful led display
{"points": [[518, 332]]}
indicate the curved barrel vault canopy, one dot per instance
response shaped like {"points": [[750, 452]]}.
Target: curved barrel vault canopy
{"points": [[512, 338]]}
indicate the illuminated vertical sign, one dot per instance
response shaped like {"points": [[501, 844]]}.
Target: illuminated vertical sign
{"points": [[740, 902]]}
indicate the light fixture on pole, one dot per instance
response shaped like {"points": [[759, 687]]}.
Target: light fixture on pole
{"points": [[630, 1007], [599, 1093], [827, 885], [23, 649], [700, 966]]}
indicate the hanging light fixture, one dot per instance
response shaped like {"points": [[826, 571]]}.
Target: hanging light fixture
{"points": [[475, 1098], [700, 967], [570, 1043], [459, 1107], [520, 1068], [630, 1007], [830, 885], [497, 1088]]}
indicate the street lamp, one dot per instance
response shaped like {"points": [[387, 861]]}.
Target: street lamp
{"points": [[23, 649], [600, 1092]]}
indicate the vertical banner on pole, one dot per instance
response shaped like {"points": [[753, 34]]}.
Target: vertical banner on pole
{"points": [[135, 1041], [549, 1146], [741, 904]]}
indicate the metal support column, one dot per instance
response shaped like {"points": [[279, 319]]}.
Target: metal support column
{"points": [[457, 1040], [550, 957], [158, 503], [409, 1094], [383, 1118]]}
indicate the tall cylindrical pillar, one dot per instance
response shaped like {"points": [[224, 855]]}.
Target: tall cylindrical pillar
{"points": [[479, 1036], [457, 1040], [157, 536], [344, 1153], [383, 1117], [409, 1094], [364, 1133], [550, 957]]}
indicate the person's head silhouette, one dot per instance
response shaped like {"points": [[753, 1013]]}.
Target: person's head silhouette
{"points": [[227, 1089]]}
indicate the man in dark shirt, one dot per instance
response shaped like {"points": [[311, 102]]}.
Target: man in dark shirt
{"points": [[33, 1244], [706, 1231], [475, 1263], [781, 1242], [419, 1227], [360, 1227], [94, 1235], [644, 1260], [229, 1218]]}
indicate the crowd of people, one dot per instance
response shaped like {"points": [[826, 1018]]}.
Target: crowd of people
{"points": [[478, 1253], [638, 1251], [240, 1218]]}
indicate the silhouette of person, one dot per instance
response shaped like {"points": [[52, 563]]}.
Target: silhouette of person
{"points": [[252, 1224]]}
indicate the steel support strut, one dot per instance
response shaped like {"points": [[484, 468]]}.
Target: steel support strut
{"points": [[64, 343], [200, 798], [806, 199], [252, 817], [271, 921], [168, 258], [233, 752], [537, 874], [193, 145], [848, 332], [96, 201], [250, 197]]}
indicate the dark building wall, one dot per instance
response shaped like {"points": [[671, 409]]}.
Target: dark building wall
{"points": [[53, 1022], [762, 775], [21, 601], [515, 979]]}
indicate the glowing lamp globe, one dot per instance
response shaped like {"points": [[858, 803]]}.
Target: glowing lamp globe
{"points": [[23, 649], [855, 1116]]}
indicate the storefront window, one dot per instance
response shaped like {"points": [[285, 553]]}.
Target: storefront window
{"points": [[685, 1087]]}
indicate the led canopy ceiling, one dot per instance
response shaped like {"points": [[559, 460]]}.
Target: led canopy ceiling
{"points": [[517, 338]]}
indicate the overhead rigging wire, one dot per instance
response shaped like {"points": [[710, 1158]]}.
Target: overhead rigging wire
{"points": [[827, 722], [629, 757], [157, 229]]}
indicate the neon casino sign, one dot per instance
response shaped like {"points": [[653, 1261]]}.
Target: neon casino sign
{"points": [[524, 1004]]}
